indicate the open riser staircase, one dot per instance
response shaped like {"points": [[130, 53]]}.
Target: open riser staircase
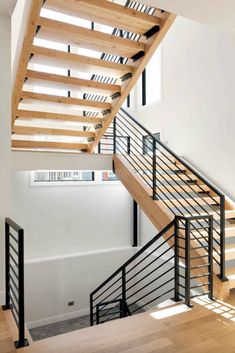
{"points": [[165, 185], [79, 61]]}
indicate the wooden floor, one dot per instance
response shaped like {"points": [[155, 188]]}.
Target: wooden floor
{"points": [[208, 327]]}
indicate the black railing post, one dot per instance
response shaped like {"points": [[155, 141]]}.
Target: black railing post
{"points": [[128, 145], [114, 136], [97, 314], [7, 267], [135, 224], [176, 260], [154, 170], [222, 238], [187, 262], [210, 257], [124, 311], [99, 147], [22, 340], [91, 310]]}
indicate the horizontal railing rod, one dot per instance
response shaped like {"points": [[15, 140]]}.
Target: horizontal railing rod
{"points": [[146, 246], [205, 181]]}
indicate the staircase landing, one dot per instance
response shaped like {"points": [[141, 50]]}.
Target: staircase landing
{"points": [[170, 328]]}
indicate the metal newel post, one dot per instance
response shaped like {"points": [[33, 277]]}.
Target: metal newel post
{"points": [[187, 263], [210, 256], [135, 224], [7, 267], [154, 171], [124, 312], [128, 145], [114, 136], [176, 297], [91, 310], [222, 237]]}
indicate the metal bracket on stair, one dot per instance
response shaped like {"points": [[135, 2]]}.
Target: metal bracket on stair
{"points": [[138, 55], [152, 31], [116, 95], [126, 76]]}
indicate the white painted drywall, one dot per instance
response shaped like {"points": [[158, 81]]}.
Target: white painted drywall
{"points": [[196, 114], [218, 13], [52, 283], [5, 117], [61, 220], [60, 161]]}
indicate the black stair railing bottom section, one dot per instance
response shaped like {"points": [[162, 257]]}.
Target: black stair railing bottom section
{"points": [[14, 277], [161, 269], [169, 178]]}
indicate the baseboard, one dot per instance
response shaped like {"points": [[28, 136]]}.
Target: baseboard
{"points": [[57, 318], [2, 297]]}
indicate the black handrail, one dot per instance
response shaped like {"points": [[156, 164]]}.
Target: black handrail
{"points": [[14, 277], [117, 295], [126, 125]]}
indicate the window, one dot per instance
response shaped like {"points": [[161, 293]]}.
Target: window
{"points": [[62, 176], [148, 142], [149, 84], [70, 177]]}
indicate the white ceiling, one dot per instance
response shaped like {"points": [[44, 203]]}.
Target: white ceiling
{"points": [[219, 13], [7, 6]]}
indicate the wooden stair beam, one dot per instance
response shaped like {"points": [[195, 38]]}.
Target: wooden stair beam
{"points": [[83, 103], [25, 54], [80, 63], [151, 46], [107, 13], [85, 120], [69, 34], [43, 79], [26, 144], [28, 130]]}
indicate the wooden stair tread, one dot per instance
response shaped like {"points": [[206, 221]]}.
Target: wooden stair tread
{"points": [[28, 130], [107, 13], [69, 34], [84, 120], [43, 79], [82, 63], [26, 144], [81, 103]]}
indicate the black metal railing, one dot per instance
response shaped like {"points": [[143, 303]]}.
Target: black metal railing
{"points": [[14, 277], [166, 267], [171, 179]]}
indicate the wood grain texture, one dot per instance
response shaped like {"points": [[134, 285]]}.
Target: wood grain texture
{"points": [[25, 54], [69, 34], [107, 13]]}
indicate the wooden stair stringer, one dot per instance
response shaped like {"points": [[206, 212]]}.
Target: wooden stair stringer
{"points": [[151, 46], [158, 214]]}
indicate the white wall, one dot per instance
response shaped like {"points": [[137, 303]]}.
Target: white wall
{"points": [[52, 283], [75, 236], [5, 152], [196, 113], [61, 220]]}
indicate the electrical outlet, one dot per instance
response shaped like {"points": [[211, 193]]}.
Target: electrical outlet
{"points": [[71, 303]]}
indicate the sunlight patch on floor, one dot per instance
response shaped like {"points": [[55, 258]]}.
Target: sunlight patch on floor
{"points": [[168, 312], [224, 309]]}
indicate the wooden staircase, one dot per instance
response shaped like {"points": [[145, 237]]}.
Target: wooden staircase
{"points": [[65, 100]]}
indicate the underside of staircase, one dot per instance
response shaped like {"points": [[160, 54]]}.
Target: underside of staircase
{"points": [[100, 48]]}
